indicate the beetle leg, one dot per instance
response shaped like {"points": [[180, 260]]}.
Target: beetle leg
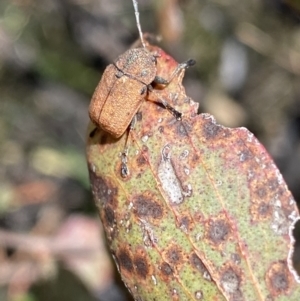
{"points": [[165, 104], [124, 167], [174, 112], [93, 132], [181, 66], [133, 122], [144, 90], [150, 88], [160, 80]]}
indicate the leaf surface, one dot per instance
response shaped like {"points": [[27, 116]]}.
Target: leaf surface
{"points": [[204, 214]]}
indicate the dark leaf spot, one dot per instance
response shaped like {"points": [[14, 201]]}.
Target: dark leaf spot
{"points": [[278, 278], [161, 129], [166, 272], [261, 192], [103, 191], [245, 155], [166, 269], [197, 264], [141, 160], [145, 149], [236, 258], [273, 184], [125, 261], [109, 215], [264, 209], [230, 281], [184, 223], [145, 207], [195, 159], [280, 282], [260, 210], [218, 231], [211, 130], [141, 266], [174, 255]]}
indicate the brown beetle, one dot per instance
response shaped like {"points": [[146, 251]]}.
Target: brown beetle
{"points": [[121, 90], [124, 85]]}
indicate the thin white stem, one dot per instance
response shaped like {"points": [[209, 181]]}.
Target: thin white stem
{"points": [[137, 17]]}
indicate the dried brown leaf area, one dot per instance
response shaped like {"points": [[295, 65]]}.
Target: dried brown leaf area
{"points": [[204, 213]]}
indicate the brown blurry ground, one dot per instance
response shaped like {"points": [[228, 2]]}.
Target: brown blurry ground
{"points": [[52, 54]]}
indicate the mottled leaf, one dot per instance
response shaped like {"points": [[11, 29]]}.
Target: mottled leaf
{"points": [[203, 215]]}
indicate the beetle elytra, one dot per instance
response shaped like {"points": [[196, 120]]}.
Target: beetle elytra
{"points": [[121, 90]]}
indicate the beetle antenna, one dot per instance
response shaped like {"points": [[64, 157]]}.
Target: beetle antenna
{"points": [[138, 24]]}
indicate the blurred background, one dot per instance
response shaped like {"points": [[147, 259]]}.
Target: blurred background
{"points": [[52, 55]]}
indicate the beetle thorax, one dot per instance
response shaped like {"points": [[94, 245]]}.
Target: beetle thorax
{"points": [[139, 64]]}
